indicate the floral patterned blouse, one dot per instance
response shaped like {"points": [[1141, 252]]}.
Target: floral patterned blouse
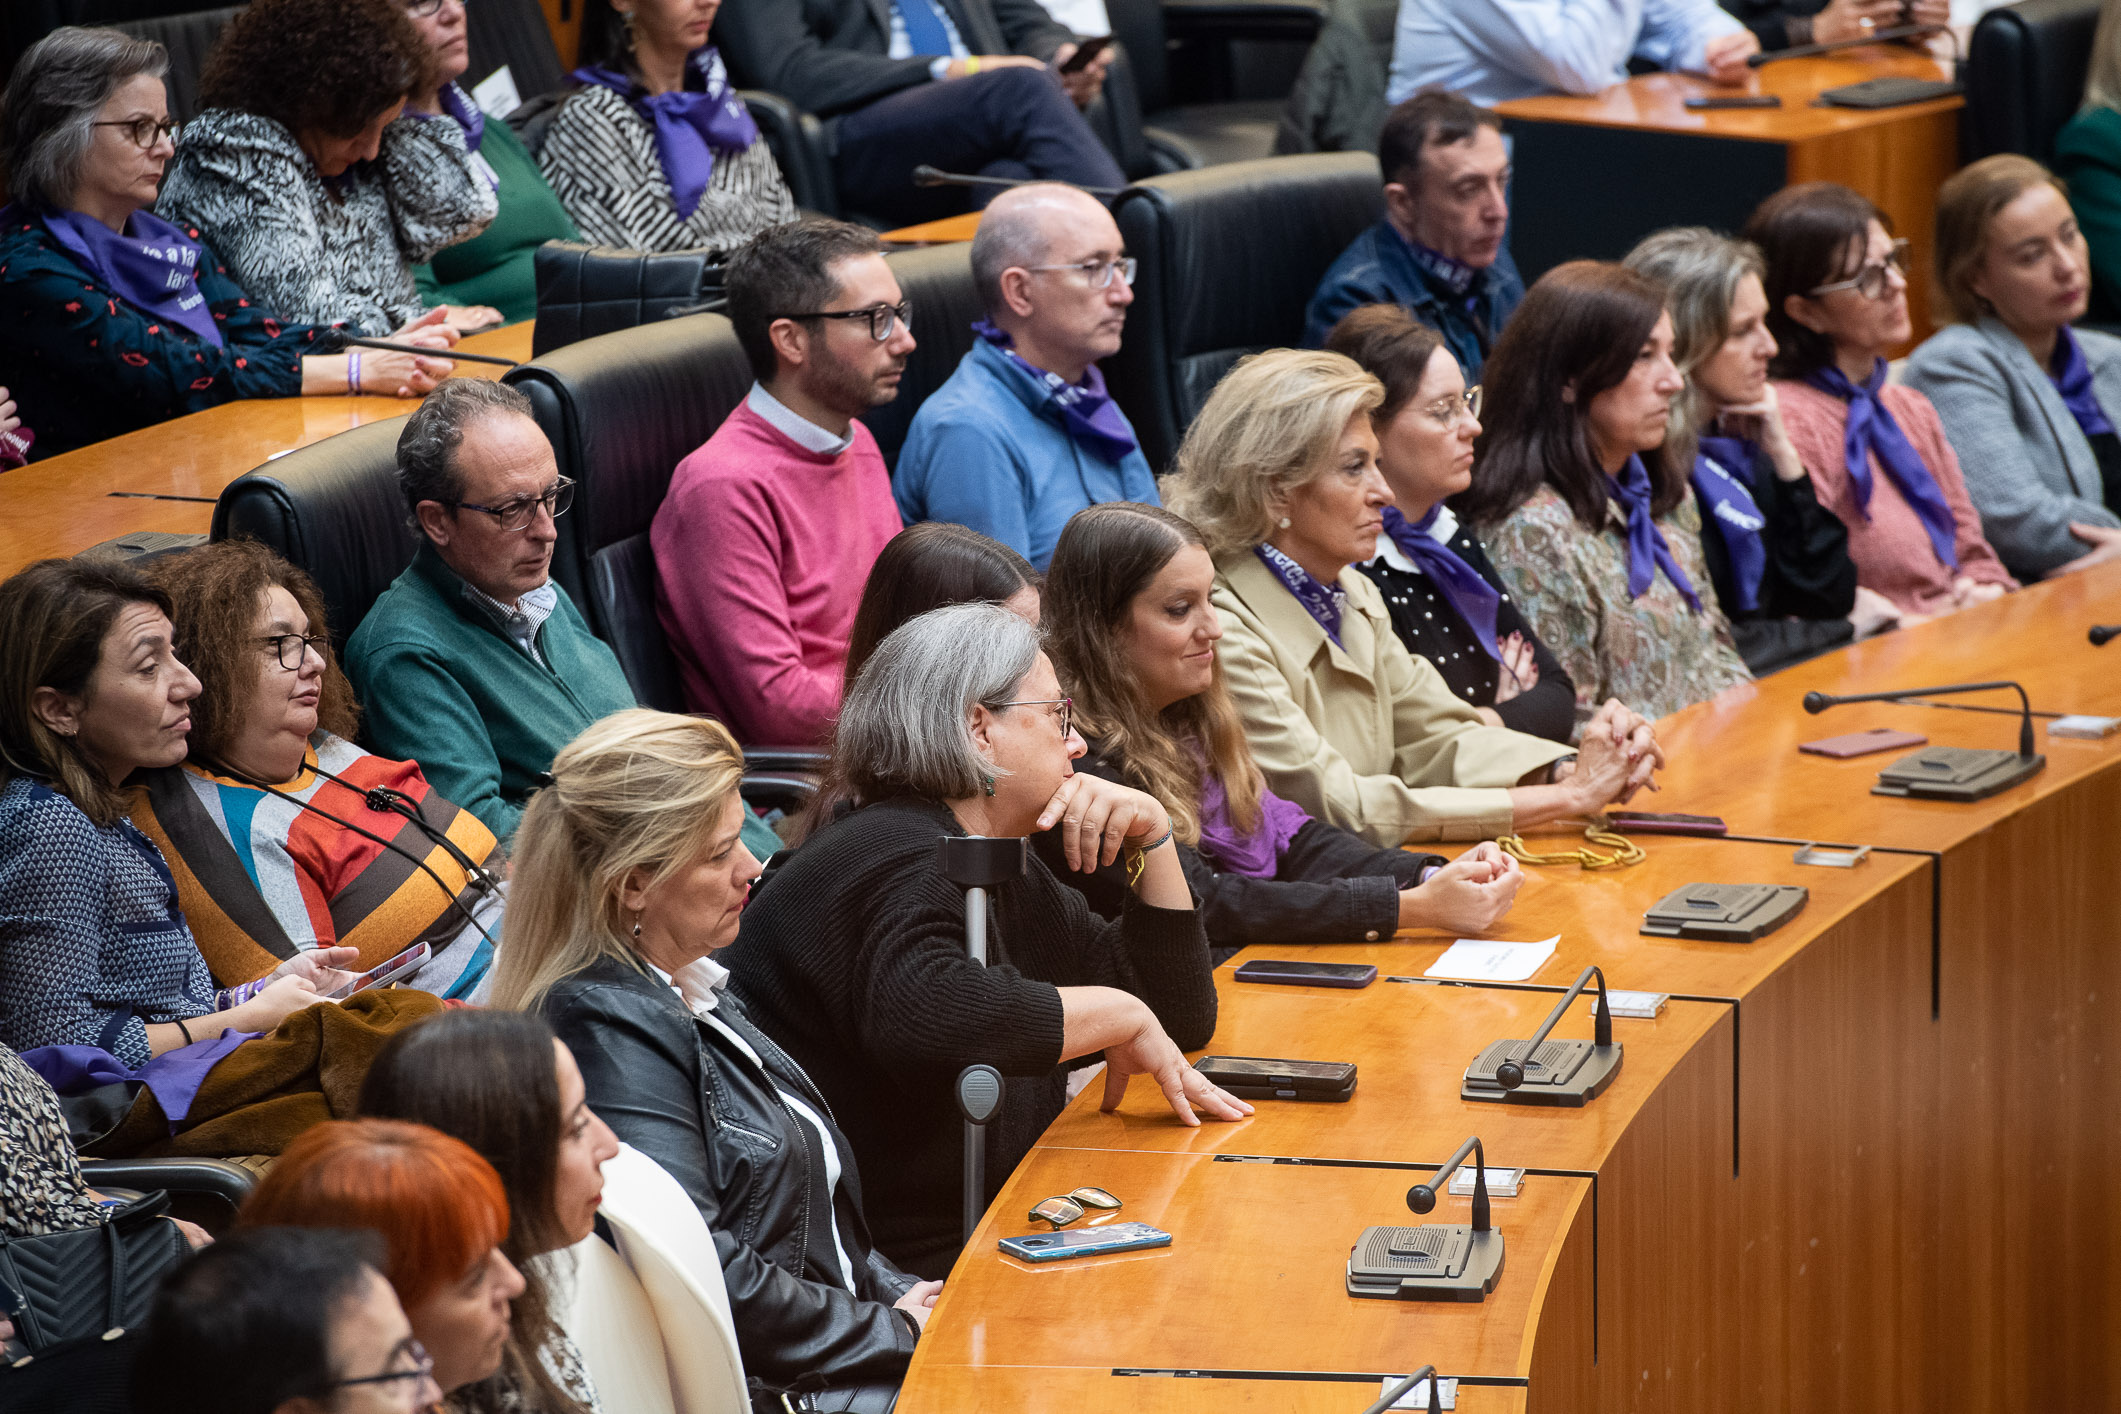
{"points": [[1653, 653], [41, 1188]]}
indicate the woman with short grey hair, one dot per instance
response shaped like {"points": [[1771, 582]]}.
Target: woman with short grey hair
{"points": [[852, 953], [117, 319]]}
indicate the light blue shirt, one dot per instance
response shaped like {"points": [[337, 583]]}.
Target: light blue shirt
{"points": [[901, 42], [1493, 50]]}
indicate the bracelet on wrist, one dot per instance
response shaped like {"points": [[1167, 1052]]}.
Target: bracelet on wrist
{"points": [[189, 1039], [1138, 855], [353, 371]]}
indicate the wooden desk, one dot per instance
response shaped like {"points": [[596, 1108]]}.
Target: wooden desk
{"points": [[1011, 1389], [1594, 175], [947, 231], [166, 477]]}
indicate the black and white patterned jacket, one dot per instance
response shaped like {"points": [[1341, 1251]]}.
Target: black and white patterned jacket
{"points": [[318, 251]]}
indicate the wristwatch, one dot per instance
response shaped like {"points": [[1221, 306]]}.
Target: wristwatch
{"points": [[1554, 773]]}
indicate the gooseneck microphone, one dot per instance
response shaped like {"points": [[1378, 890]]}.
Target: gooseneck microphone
{"points": [[927, 176], [2103, 632], [1510, 1074], [1817, 702], [1876, 36], [1956, 773], [1399, 1392], [1422, 1196]]}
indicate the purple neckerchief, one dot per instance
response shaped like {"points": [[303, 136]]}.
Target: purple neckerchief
{"points": [[691, 125], [174, 1077], [1464, 589], [458, 105], [1257, 855], [1323, 602], [1723, 480], [1647, 550], [1086, 411], [153, 266], [1871, 430], [2072, 377], [1456, 275]]}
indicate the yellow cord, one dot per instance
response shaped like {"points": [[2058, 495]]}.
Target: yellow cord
{"points": [[1624, 851]]}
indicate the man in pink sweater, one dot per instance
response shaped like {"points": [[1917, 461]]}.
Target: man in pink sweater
{"points": [[768, 531]]}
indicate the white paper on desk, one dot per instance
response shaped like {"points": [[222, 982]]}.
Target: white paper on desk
{"points": [[1471, 960]]}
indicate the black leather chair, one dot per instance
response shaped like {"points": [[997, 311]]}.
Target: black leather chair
{"points": [[188, 38], [1197, 134], [514, 33], [1229, 257], [938, 279], [205, 1191], [2025, 68]]}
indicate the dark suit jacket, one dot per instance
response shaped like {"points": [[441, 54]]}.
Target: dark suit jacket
{"points": [[828, 56]]}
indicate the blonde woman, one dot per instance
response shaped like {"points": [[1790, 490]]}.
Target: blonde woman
{"points": [[1279, 473], [629, 877]]}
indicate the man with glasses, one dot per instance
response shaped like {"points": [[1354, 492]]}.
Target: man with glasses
{"points": [[1438, 253], [1023, 435], [768, 531], [474, 662]]}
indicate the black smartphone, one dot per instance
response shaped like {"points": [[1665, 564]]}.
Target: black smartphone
{"points": [[1086, 54], [1704, 102], [1259, 1078], [1651, 822], [1308, 974]]}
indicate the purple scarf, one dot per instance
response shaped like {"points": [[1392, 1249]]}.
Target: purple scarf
{"points": [[154, 266], [1323, 602], [1647, 550], [1723, 480], [1257, 855], [1086, 411], [1871, 430], [457, 104], [174, 1077], [1463, 587], [690, 125], [2073, 380]]}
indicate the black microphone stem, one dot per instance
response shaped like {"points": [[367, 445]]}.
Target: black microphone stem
{"points": [[1399, 1392], [1603, 1033], [2101, 633], [449, 353], [1422, 1196], [1817, 702], [1879, 36]]}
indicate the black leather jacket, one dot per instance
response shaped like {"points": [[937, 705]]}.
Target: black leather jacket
{"points": [[678, 1090]]}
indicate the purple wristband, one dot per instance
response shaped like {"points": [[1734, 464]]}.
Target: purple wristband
{"points": [[353, 371]]}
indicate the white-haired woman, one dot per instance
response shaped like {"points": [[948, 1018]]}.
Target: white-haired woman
{"points": [[1280, 474], [629, 876], [853, 954]]}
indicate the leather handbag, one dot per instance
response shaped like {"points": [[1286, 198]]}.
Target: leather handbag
{"points": [[89, 1284], [586, 290]]}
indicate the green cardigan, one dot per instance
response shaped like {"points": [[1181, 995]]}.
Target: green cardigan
{"points": [[497, 266], [442, 685], [2088, 157]]}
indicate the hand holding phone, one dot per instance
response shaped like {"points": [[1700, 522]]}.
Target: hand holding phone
{"points": [[1086, 54], [382, 974]]}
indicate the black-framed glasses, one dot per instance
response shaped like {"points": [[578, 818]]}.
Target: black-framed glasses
{"points": [[1099, 272], [1066, 705], [1068, 1207], [880, 317], [423, 1368], [144, 132], [1870, 281], [520, 513], [297, 645], [1445, 412]]}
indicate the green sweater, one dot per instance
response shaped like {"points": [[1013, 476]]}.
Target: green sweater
{"points": [[497, 266], [442, 685], [2088, 157]]}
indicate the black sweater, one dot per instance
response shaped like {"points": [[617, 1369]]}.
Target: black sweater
{"points": [[1810, 582], [852, 957]]}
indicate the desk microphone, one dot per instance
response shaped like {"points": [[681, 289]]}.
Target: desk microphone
{"points": [[1399, 1391], [1547, 1072], [1422, 1196], [2102, 632], [1436, 1261], [1960, 773], [927, 176]]}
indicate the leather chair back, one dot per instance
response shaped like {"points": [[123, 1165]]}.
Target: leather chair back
{"points": [[2025, 68], [512, 32], [622, 411], [585, 290], [188, 38], [1229, 258], [938, 279]]}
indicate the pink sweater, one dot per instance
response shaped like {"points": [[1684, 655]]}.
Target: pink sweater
{"points": [[1892, 551], [761, 551]]}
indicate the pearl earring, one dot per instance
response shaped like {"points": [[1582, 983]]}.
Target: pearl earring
{"points": [[1284, 522]]}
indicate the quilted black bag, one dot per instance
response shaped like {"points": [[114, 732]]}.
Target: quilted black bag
{"points": [[88, 1284], [586, 290]]}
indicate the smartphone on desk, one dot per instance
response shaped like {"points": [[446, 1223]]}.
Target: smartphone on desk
{"points": [[1711, 102], [1307, 974], [1084, 1242], [1651, 822], [1863, 743]]}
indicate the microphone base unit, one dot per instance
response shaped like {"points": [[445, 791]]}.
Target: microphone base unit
{"points": [[1960, 773], [1564, 1074], [1724, 913], [1433, 1262]]}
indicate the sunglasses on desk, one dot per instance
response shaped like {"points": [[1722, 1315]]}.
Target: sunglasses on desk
{"points": [[1069, 1207]]}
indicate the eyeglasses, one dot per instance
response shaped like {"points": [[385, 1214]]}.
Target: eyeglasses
{"points": [[1870, 281], [299, 644], [421, 9], [1099, 272], [1445, 412], [423, 1369], [880, 317], [519, 513], [145, 132], [1069, 1206], [1067, 713]]}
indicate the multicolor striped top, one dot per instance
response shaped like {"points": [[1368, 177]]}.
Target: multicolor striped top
{"points": [[261, 878]]}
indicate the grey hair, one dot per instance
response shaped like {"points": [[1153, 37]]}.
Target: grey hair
{"points": [[1699, 271], [906, 724], [1011, 234], [427, 448], [47, 114]]}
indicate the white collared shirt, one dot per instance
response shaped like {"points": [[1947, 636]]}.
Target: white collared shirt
{"points": [[522, 621], [794, 426]]}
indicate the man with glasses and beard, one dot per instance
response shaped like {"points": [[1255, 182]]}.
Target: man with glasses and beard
{"points": [[1023, 435], [768, 531]]}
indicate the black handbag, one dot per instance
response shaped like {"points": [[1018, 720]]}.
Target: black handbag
{"points": [[89, 1284], [586, 290]]}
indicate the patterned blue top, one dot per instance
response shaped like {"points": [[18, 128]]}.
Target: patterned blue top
{"points": [[92, 943]]}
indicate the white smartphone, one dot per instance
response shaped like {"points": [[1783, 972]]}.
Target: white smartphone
{"points": [[384, 973]]}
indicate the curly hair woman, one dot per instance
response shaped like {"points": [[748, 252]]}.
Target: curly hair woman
{"points": [[308, 177]]}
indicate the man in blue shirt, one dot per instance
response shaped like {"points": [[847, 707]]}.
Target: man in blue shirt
{"points": [[1023, 434], [1492, 50], [1439, 250]]}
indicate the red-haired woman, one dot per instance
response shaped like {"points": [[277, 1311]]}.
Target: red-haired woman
{"points": [[442, 1214]]}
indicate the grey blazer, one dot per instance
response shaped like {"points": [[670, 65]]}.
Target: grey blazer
{"points": [[2028, 466]]}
